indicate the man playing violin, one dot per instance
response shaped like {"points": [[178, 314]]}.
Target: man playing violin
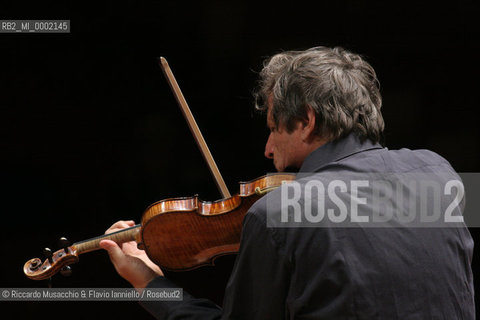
{"points": [[323, 111]]}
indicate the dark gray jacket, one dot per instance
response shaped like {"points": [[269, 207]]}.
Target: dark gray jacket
{"points": [[326, 271]]}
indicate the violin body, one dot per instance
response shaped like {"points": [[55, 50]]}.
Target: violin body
{"points": [[177, 234], [186, 233]]}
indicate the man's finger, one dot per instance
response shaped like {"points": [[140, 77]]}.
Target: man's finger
{"points": [[116, 254], [119, 225]]}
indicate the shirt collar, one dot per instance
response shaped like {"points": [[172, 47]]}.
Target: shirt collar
{"points": [[336, 150]]}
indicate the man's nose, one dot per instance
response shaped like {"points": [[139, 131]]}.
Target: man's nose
{"points": [[269, 147]]}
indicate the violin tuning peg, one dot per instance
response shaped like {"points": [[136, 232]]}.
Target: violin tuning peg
{"points": [[66, 271], [63, 243], [47, 252]]}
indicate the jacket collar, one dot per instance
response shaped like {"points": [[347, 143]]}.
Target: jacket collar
{"points": [[335, 151]]}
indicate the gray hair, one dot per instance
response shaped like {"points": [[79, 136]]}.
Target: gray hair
{"points": [[338, 85]]}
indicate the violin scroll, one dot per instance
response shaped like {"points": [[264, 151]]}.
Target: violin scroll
{"points": [[67, 255], [36, 270]]}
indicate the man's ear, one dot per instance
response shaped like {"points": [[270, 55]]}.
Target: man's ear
{"points": [[308, 125]]}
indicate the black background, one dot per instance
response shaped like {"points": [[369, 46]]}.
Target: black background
{"points": [[90, 132]]}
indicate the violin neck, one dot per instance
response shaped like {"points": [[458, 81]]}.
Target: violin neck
{"points": [[125, 235]]}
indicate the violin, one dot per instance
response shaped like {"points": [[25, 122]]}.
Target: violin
{"points": [[177, 234]]}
